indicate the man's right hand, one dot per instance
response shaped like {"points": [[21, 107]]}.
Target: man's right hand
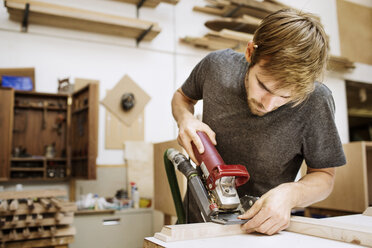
{"points": [[187, 134], [183, 112]]}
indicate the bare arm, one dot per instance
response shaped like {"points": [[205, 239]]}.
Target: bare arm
{"points": [[183, 113], [271, 213]]}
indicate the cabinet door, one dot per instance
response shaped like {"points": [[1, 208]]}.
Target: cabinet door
{"points": [[6, 130], [84, 132]]}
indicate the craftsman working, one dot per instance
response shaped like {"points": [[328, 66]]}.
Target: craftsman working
{"points": [[266, 111]]}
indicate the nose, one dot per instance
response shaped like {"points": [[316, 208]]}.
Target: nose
{"points": [[269, 102]]}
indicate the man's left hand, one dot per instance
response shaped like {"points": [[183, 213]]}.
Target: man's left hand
{"points": [[271, 213]]}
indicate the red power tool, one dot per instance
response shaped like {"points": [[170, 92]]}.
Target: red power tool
{"points": [[215, 191]]}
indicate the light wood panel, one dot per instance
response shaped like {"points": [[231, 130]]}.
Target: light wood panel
{"points": [[6, 127], [355, 31], [351, 190], [323, 228], [163, 200], [80, 19]]}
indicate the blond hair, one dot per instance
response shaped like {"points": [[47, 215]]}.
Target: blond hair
{"points": [[294, 48]]}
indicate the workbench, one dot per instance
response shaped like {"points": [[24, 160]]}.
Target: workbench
{"points": [[284, 238]]}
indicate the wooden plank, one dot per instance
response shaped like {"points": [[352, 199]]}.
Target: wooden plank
{"points": [[39, 209], [163, 200], [32, 194], [354, 26], [361, 235], [247, 24], [322, 228], [80, 19], [56, 241], [116, 132], [350, 183], [6, 126], [196, 231], [147, 3], [60, 231], [368, 212], [66, 220], [139, 156]]}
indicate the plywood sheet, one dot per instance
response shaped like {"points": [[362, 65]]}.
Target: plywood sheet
{"points": [[112, 101], [80, 83], [117, 132], [140, 166], [355, 31], [163, 200]]}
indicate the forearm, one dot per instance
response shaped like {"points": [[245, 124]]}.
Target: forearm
{"points": [[315, 186], [182, 107]]}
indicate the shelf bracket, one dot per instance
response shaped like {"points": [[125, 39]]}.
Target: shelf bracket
{"points": [[233, 11], [25, 18], [144, 33], [139, 5]]}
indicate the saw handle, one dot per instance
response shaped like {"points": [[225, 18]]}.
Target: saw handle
{"points": [[215, 164]]}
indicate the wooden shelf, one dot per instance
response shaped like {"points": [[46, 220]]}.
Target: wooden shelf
{"points": [[79, 19], [77, 111], [41, 108], [79, 158], [26, 159], [26, 169], [149, 3]]}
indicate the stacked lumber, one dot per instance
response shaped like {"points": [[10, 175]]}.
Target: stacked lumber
{"points": [[149, 3], [246, 24], [36, 217], [238, 8], [341, 64], [49, 14], [223, 39]]}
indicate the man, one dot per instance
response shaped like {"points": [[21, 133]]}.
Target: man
{"points": [[265, 110]]}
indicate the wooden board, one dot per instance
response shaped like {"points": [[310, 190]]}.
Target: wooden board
{"points": [[246, 24], [116, 132], [39, 209], [368, 212], [6, 127], [322, 228], [80, 83], [355, 234], [351, 181], [32, 194], [66, 220], [163, 200], [112, 101], [80, 19], [355, 31], [48, 242], [139, 156], [60, 231], [22, 72], [150, 3]]}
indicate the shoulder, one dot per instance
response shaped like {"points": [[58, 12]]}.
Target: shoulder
{"points": [[225, 56], [320, 94]]}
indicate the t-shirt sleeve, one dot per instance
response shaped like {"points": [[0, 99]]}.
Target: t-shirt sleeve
{"points": [[322, 147], [193, 86]]}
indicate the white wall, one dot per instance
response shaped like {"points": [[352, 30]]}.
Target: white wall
{"points": [[159, 67]]}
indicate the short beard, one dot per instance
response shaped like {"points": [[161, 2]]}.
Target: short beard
{"points": [[254, 106]]}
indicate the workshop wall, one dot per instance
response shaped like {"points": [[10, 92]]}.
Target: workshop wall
{"points": [[159, 67]]}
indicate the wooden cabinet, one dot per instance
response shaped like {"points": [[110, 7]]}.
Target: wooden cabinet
{"points": [[48, 136], [125, 228], [353, 186]]}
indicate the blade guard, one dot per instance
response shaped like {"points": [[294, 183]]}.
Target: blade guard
{"points": [[216, 166]]}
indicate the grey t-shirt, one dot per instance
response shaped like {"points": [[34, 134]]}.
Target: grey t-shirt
{"points": [[272, 147]]}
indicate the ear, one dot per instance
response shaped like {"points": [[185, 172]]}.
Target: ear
{"points": [[249, 51]]}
